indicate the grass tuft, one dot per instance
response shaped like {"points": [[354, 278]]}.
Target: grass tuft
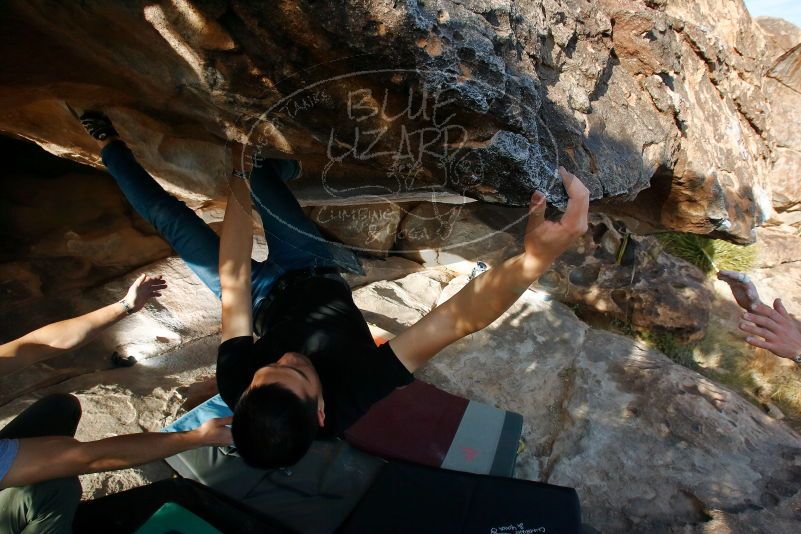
{"points": [[671, 346], [709, 254]]}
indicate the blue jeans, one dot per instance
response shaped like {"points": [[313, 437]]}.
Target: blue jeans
{"points": [[292, 239]]}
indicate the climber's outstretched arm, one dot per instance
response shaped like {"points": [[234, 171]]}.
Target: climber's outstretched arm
{"points": [[489, 295], [70, 334], [46, 458], [236, 246]]}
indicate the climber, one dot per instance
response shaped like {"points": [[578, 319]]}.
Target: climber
{"points": [[772, 329], [314, 369], [39, 458]]}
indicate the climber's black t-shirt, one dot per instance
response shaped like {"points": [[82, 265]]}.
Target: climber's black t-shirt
{"points": [[317, 317]]}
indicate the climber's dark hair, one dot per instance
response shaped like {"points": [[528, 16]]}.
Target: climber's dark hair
{"points": [[273, 427]]}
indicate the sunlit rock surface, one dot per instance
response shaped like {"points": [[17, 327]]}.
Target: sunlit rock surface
{"points": [[783, 89], [648, 444]]}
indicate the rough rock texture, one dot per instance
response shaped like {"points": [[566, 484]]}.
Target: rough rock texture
{"points": [[407, 98], [651, 446], [459, 235], [65, 228], [390, 268], [781, 35], [783, 89], [632, 280], [626, 278], [370, 229], [777, 245]]}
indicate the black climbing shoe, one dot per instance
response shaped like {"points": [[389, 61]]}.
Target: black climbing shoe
{"points": [[98, 125], [122, 361]]}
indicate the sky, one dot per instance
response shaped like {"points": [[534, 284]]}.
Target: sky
{"points": [[786, 9]]}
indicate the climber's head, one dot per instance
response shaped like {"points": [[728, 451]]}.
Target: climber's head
{"points": [[276, 419]]}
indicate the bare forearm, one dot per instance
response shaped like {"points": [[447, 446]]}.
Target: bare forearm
{"points": [[236, 245], [58, 337], [120, 452], [488, 296], [57, 457], [236, 240], [474, 307]]}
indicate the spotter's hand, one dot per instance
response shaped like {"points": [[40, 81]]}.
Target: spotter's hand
{"points": [[743, 289], [773, 329]]}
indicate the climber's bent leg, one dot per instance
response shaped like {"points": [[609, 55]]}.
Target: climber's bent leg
{"points": [[188, 234], [294, 242]]}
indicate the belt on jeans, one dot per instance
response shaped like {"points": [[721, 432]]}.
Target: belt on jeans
{"points": [[262, 315]]}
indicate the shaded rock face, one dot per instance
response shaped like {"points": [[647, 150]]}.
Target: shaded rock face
{"points": [[631, 279], [460, 235], [64, 227], [396, 98]]}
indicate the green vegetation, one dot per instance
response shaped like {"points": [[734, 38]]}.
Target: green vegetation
{"points": [[760, 376], [677, 350], [671, 345], [709, 254]]}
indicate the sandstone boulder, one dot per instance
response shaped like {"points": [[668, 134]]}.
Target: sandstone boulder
{"points": [[781, 35], [186, 311], [783, 89], [649, 445], [630, 279], [478, 98], [72, 231], [790, 219], [459, 235], [117, 245], [367, 228], [390, 268], [777, 245], [20, 282], [35, 205]]}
